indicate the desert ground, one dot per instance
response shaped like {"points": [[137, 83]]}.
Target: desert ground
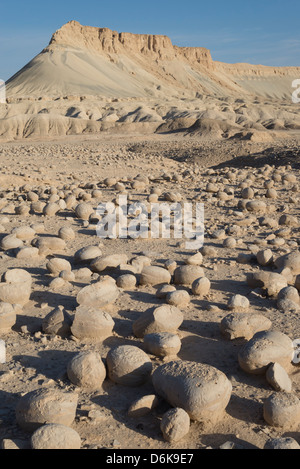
{"points": [[228, 311]]}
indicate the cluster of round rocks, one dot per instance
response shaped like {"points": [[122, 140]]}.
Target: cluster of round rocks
{"points": [[196, 392]]}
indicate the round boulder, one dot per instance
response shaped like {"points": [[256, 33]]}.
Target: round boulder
{"points": [[87, 370], [44, 406], [128, 365], [282, 410], [165, 318], [201, 390], [92, 324], [266, 348], [55, 436]]}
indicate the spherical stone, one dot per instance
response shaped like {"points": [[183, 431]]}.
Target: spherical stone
{"points": [[162, 344], [126, 281], [163, 290], [27, 252], [282, 443], [209, 251], [66, 233], [17, 276], [93, 324], [265, 257], [143, 406], [67, 275], [229, 243], [278, 378], [165, 318], [201, 390], [88, 253], [57, 284], [99, 294], [201, 286], [84, 273], [128, 365], [83, 211], [175, 425], [196, 259], [265, 348], [238, 303], [187, 274], [55, 436], [44, 406], [56, 265], [289, 293], [24, 233], [10, 242], [247, 193], [271, 194], [153, 275], [15, 293], [179, 298], [51, 209], [87, 370], [282, 410]]}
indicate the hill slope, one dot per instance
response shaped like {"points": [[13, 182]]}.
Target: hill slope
{"points": [[97, 61]]}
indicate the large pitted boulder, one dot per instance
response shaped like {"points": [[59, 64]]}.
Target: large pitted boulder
{"points": [[92, 324], [44, 406], [128, 365], [283, 410], [55, 436], [16, 287], [266, 348], [165, 318], [201, 390], [99, 294], [87, 370], [244, 325], [154, 275]]}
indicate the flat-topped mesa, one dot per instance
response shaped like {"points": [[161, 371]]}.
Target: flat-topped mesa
{"points": [[104, 40]]}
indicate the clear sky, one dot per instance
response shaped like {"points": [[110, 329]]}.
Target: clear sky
{"points": [[258, 31]]}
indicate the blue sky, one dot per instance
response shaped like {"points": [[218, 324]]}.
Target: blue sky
{"points": [[259, 32]]}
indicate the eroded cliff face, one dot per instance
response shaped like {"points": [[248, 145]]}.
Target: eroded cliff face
{"points": [[84, 60], [106, 41]]}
